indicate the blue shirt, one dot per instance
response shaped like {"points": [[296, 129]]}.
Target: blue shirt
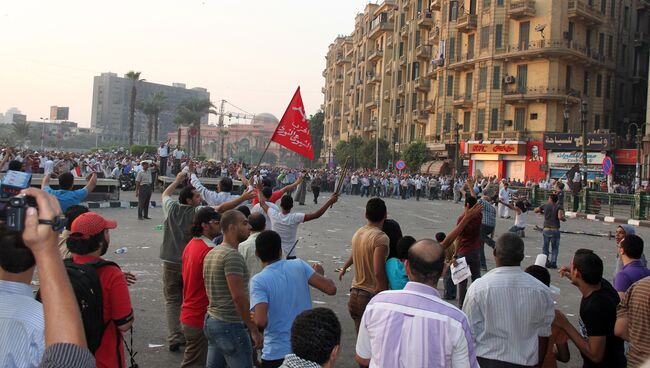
{"points": [[68, 198], [396, 274], [284, 286], [22, 327]]}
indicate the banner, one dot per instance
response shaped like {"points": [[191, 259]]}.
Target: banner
{"points": [[501, 149], [573, 141], [293, 130], [593, 158]]}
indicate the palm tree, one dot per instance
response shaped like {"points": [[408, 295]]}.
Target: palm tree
{"points": [[152, 108], [190, 112], [222, 134], [21, 130], [179, 123], [135, 78]]}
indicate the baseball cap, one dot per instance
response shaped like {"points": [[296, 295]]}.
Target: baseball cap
{"points": [[89, 224]]}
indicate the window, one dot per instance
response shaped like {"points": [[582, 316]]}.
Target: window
{"points": [[621, 97], [499, 2], [567, 78], [453, 11], [450, 85], [626, 16], [486, 4], [612, 8], [480, 120], [569, 33], [416, 70], [451, 56], [623, 54], [401, 48], [447, 122], [599, 87], [412, 132], [482, 78], [467, 121], [469, 81], [608, 87], [485, 37], [496, 77], [603, 6], [533, 116], [470, 46], [498, 36], [418, 38], [441, 84], [610, 46], [438, 123], [596, 121], [601, 44], [520, 118], [585, 84], [414, 101], [522, 78], [494, 120]]}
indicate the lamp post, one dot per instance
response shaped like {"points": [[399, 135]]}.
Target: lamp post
{"points": [[583, 111], [394, 145], [639, 138], [376, 143], [43, 134], [457, 163]]}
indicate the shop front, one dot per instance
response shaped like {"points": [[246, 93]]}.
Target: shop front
{"points": [[564, 151], [503, 160], [624, 165], [561, 162]]}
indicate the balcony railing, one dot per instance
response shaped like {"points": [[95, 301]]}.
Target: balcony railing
{"points": [[425, 19], [341, 59], [422, 84], [373, 78], [435, 4], [463, 100], [404, 31], [515, 93], [375, 54], [583, 11], [550, 48], [520, 9], [466, 23], [434, 35], [423, 51], [380, 28]]}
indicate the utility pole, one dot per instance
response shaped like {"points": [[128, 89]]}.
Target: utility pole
{"points": [[458, 126], [221, 132], [583, 111], [639, 141]]}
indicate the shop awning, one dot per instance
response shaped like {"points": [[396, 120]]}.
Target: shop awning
{"points": [[435, 167]]}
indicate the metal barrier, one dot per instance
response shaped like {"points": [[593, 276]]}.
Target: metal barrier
{"points": [[610, 204]]}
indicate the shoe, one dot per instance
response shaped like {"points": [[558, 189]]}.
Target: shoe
{"points": [[174, 347], [553, 265], [147, 218], [302, 204], [548, 264], [140, 218]]}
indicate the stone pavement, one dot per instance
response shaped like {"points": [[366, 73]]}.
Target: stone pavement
{"points": [[328, 240]]}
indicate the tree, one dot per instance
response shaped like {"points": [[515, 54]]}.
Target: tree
{"points": [[135, 78], [414, 155], [367, 153], [316, 129], [152, 108], [21, 130], [190, 112], [351, 149], [179, 122]]}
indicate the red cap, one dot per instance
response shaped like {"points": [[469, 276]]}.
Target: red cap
{"points": [[89, 224]]}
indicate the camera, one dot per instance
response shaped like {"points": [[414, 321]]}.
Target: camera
{"points": [[13, 211]]}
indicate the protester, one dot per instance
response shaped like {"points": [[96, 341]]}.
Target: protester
{"points": [[88, 242], [369, 252], [622, 231], [267, 193], [630, 251], [143, 189], [488, 224], [395, 271], [596, 341], [257, 221], [163, 155], [228, 323], [279, 293], [315, 340], [469, 247], [316, 183], [394, 232], [224, 188], [504, 197], [632, 323], [206, 226], [553, 214], [66, 195], [414, 327], [509, 311]]}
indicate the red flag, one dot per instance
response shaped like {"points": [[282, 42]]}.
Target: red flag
{"points": [[293, 130]]}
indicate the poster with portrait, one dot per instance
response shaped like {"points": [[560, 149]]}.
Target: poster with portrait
{"points": [[535, 161]]}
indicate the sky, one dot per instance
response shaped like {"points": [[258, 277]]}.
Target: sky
{"points": [[251, 53]]}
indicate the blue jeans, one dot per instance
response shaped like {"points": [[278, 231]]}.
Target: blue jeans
{"points": [[485, 238], [552, 237], [449, 287], [229, 344]]}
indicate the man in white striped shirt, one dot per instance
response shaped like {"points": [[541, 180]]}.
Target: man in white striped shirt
{"points": [[414, 327], [510, 312]]}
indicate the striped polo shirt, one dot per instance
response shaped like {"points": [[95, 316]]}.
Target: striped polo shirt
{"points": [[413, 327], [220, 262], [635, 307]]}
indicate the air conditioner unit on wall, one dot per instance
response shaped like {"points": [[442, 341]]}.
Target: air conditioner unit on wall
{"points": [[509, 79]]}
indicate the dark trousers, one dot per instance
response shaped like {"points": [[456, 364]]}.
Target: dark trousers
{"points": [[359, 299], [177, 167], [163, 166], [196, 348], [417, 194], [474, 262], [491, 363], [316, 191], [486, 239], [173, 291], [272, 363], [448, 284], [144, 198]]}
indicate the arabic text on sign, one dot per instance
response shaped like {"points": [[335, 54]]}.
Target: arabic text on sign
{"points": [[493, 148]]}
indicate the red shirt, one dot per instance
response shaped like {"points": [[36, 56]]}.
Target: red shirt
{"points": [[117, 306], [195, 300], [274, 197], [470, 238]]}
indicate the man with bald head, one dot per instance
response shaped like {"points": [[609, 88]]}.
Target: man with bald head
{"points": [[510, 311], [427, 331]]}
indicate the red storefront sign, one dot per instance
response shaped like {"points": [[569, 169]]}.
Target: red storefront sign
{"points": [[501, 149], [625, 157]]}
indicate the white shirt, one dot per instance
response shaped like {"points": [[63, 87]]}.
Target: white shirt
{"points": [[258, 209], [520, 219], [508, 310], [504, 195], [178, 154], [163, 151], [247, 250], [213, 198], [48, 166], [287, 227]]}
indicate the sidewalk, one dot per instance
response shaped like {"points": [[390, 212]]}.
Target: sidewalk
{"points": [[609, 219]]}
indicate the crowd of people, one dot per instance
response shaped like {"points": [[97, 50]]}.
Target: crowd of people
{"points": [[234, 284]]}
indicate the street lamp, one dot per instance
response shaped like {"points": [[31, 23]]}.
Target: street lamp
{"points": [[583, 111], [639, 138], [457, 163], [394, 145], [376, 121]]}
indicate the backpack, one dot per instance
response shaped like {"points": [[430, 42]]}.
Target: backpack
{"points": [[88, 291]]}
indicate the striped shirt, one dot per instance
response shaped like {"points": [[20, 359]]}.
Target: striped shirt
{"points": [[635, 307], [219, 263], [415, 328], [489, 213], [508, 310], [22, 338]]}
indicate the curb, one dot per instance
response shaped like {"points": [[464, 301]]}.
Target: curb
{"points": [[117, 204], [608, 219]]}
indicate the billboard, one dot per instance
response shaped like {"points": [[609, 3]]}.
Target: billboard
{"points": [[573, 142]]}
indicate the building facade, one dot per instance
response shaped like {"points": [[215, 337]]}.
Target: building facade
{"points": [[488, 72], [59, 113], [111, 104]]}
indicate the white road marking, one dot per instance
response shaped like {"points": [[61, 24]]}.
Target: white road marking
{"points": [[425, 218]]}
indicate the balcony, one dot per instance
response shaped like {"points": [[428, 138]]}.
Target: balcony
{"points": [[404, 31], [435, 5], [400, 89], [389, 41], [463, 101], [371, 103], [339, 78], [323, 90], [520, 9], [643, 5], [386, 95], [402, 59], [581, 10], [375, 55], [429, 106], [422, 84], [420, 115], [373, 78], [640, 39], [514, 94], [463, 61], [432, 73], [434, 35], [423, 52], [425, 20], [338, 98], [341, 59], [379, 28], [567, 50], [466, 23]]}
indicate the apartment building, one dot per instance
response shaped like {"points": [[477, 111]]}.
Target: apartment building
{"points": [[488, 72]]}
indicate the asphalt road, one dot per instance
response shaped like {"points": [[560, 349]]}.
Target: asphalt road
{"points": [[327, 240]]}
